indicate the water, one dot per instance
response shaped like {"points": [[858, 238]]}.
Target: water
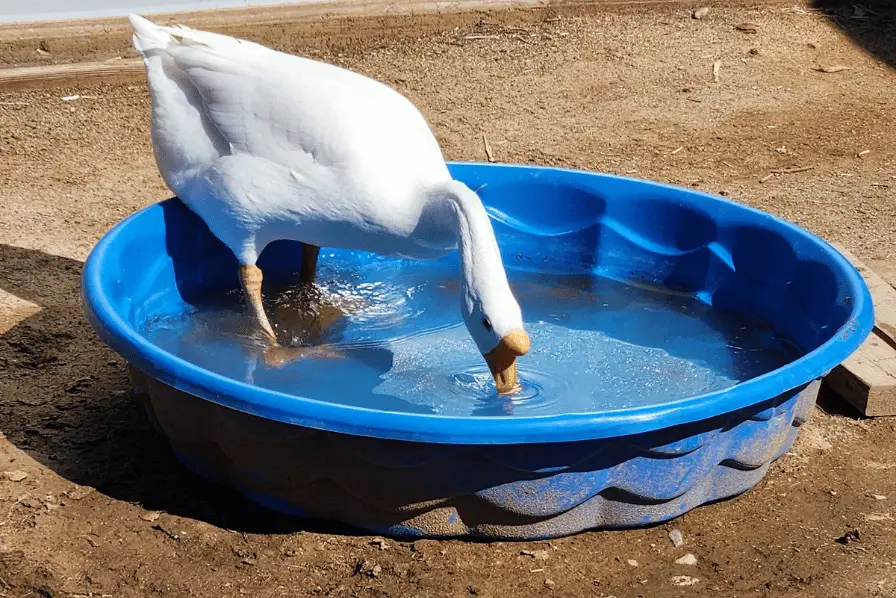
{"points": [[386, 334]]}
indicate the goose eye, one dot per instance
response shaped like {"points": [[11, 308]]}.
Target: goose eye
{"points": [[487, 323]]}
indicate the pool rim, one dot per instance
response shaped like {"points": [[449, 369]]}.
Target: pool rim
{"points": [[124, 339]]}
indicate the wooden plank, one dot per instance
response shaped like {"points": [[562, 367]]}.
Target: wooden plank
{"points": [[886, 269], [867, 379], [68, 74], [883, 295]]}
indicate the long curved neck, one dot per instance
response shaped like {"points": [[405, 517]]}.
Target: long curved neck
{"points": [[480, 258]]}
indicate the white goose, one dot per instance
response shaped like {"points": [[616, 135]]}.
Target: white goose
{"points": [[264, 145]]}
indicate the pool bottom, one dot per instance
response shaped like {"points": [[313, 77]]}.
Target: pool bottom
{"points": [[499, 492]]}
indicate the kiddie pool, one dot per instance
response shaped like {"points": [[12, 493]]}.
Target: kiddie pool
{"points": [[500, 477]]}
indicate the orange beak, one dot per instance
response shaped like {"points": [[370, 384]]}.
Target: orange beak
{"points": [[502, 360]]}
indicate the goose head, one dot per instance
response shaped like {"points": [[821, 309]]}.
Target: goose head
{"points": [[488, 306], [495, 322]]}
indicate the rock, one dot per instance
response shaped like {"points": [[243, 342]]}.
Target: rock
{"points": [[878, 497], [368, 568], [151, 516], [700, 12], [30, 502], [677, 538], [15, 475], [688, 559], [79, 492], [850, 536], [632, 563], [379, 543], [549, 583], [684, 580]]}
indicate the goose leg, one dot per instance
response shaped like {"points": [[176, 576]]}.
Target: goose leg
{"points": [[251, 277], [309, 263]]}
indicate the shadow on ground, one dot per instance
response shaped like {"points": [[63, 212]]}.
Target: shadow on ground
{"points": [[65, 399], [870, 24]]}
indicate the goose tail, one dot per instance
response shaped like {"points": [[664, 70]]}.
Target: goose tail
{"points": [[148, 37], [184, 140]]}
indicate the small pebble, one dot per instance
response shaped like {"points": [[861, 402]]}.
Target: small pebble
{"points": [[700, 12], [79, 492], [878, 497], [379, 543], [15, 475], [632, 562], [677, 538], [688, 559], [684, 580], [549, 582], [879, 517], [151, 516]]}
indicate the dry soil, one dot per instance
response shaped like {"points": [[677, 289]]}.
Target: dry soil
{"points": [[93, 504]]}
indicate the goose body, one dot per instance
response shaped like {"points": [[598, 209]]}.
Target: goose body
{"points": [[264, 145]]}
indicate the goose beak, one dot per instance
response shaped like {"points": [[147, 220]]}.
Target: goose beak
{"points": [[502, 360]]}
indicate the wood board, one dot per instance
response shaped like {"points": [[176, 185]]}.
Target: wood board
{"points": [[867, 379]]}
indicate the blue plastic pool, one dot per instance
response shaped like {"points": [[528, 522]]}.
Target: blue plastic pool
{"points": [[678, 340]]}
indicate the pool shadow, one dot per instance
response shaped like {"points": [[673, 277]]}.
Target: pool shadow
{"points": [[871, 24], [66, 402]]}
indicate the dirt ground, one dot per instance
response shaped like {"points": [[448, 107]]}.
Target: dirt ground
{"points": [[93, 504]]}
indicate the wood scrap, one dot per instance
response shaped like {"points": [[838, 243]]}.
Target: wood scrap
{"points": [[792, 170], [867, 379], [488, 149], [832, 69], [747, 27]]}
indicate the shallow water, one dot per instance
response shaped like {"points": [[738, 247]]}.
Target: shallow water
{"points": [[393, 340]]}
